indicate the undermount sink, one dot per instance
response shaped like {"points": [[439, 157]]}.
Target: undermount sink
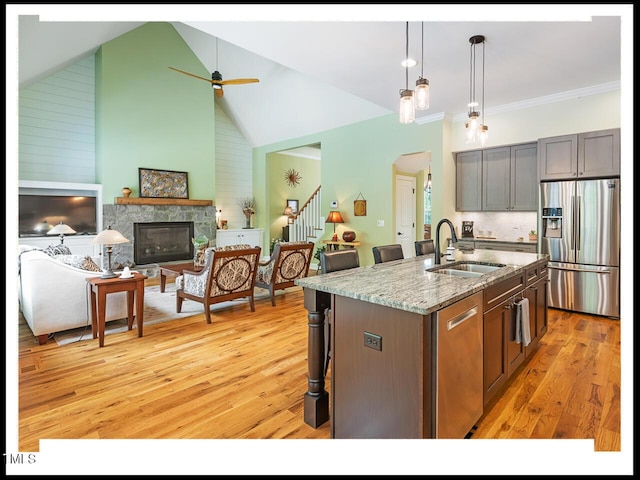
{"points": [[466, 269]]}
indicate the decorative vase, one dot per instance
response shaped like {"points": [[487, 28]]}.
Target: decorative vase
{"points": [[247, 218], [126, 191], [349, 236]]}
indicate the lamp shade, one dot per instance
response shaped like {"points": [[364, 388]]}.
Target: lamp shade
{"points": [[110, 237], [288, 211], [61, 229], [334, 217]]}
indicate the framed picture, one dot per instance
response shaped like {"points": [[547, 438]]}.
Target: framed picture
{"points": [[294, 205], [163, 183], [360, 206]]}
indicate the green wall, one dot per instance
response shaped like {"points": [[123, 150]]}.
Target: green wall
{"points": [[280, 191], [358, 159], [150, 116]]}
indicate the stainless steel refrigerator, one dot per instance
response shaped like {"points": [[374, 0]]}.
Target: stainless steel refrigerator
{"points": [[579, 227]]}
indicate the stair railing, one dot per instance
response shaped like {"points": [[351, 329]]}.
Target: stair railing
{"points": [[308, 223]]}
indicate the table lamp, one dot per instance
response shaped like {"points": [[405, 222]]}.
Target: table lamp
{"points": [[334, 217], [61, 229], [288, 211], [109, 237]]}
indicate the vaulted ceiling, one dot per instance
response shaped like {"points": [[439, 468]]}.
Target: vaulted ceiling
{"points": [[322, 71]]}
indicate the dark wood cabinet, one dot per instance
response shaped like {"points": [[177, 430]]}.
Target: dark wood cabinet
{"points": [[580, 156], [494, 354], [536, 292], [502, 355]]}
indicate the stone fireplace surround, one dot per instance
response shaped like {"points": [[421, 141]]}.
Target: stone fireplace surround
{"points": [[122, 218]]}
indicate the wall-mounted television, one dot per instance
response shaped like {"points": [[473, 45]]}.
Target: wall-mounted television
{"points": [[38, 213]]}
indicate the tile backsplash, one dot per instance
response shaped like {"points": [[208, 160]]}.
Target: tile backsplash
{"points": [[506, 226]]}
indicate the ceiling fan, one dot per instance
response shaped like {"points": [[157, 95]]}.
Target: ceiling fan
{"points": [[216, 78]]}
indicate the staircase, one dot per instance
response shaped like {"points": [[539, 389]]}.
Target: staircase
{"points": [[308, 223]]}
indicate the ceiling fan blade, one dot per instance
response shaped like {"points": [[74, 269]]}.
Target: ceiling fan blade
{"points": [[192, 75], [239, 81], [219, 92]]}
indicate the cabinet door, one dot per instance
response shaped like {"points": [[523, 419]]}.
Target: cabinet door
{"points": [[469, 181], [524, 180], [599, 154], [514, 351], [537, 295], [558, 157], [496, 179], [494, 351], [225, 238], [252, 237]]}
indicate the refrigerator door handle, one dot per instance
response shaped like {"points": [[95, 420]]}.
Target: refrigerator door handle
{"points": [[585, 270], [578, 223], [573, 226]]}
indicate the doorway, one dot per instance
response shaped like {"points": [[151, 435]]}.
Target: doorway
{"points": [[406, 214]]}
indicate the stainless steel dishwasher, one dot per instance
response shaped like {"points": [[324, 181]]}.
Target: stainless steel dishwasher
{"points": [[458, 367]]}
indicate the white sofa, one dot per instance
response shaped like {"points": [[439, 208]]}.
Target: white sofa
{"points": [[54, 296]]}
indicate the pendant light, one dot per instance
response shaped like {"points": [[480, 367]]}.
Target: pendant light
{"points": [[475, 127], [407, 113], [422, 84]]}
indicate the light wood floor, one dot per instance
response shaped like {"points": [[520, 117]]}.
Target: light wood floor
{"points": [[244, 377]]}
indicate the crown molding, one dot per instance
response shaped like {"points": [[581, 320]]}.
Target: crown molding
{"points": [[548, 99]]}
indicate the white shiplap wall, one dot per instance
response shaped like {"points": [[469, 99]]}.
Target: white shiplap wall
{"points": [[234, 166], [57, 126]]}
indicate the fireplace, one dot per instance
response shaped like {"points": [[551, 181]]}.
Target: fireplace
{"points": [[157, 242]]}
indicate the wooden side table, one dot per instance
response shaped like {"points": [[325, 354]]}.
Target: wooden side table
{"points": [[101, 287], [174, 270], [336, 244]]}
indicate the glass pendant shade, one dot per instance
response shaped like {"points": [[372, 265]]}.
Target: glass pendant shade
{"points": [[422, 94], [407, 113], [471, 127], [483, 134]]}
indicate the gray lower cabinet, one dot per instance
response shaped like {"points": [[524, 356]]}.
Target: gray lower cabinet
{"points": [[579, 156], [505, 246]]}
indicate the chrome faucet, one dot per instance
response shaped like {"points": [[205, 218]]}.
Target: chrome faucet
{"points": [[454, 238]]}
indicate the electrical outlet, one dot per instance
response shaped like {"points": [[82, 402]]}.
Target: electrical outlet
{"points": [[334, 204], [381, 223], [372, 340]]}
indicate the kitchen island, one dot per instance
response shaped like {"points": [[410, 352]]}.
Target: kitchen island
{"points": [[388, 380]]}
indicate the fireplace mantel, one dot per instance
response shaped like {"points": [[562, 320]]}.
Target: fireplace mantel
{"points": [[185, 202]]}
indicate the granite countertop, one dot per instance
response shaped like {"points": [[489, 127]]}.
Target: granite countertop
{"points": [[409, 285], [497, 239]]}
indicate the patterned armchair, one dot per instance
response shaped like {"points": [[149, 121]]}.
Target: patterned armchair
{"points": [[289, 262], [229, 273]]}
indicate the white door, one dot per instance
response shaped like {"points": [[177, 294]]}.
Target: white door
{"points": [[406, 214]]}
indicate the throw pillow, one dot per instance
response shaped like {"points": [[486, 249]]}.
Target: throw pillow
{"points": [[84, 262], [60, 249]]}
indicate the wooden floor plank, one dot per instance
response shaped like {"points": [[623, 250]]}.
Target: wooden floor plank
{"points": [[244, 377]]}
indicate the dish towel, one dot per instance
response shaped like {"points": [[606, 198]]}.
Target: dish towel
{"points": [[523, 334]]}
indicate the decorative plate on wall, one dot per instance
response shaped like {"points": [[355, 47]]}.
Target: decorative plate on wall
{"points": [[360, 206]]}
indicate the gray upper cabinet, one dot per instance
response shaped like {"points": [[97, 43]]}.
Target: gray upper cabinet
{"points": [[509, 178], [584, 155], [469, 181]]}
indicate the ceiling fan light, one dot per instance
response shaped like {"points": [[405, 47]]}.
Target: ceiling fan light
{"points": [[407, 113], [422, 94]]}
